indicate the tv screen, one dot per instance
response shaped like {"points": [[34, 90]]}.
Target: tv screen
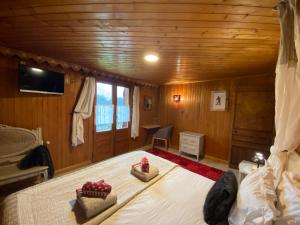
{"points": [[36, 80]]}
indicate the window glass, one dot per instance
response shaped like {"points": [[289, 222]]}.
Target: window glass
{"points": [[104, 107], [123, 110]]}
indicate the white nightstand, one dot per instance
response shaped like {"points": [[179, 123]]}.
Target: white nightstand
{"points": [[245, 167]]}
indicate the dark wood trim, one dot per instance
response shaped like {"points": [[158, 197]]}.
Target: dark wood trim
{"points": [[40, 60]]}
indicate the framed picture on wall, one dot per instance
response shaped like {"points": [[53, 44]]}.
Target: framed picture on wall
{"points": [[218, 101], [147, 103]]}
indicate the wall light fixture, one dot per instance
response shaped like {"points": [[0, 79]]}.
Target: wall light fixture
{"points": [[176, 98]]}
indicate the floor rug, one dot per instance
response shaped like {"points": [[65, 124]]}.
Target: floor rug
{"points": [[203, 170]]}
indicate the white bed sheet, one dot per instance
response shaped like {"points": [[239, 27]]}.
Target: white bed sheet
{"points": [[177, 198], [52, 202]]}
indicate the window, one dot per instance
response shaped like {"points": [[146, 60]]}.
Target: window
{"points": [[123, 111], [104, 107]]}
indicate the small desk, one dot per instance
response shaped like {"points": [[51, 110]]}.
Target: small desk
{"points": [[150, 129]]}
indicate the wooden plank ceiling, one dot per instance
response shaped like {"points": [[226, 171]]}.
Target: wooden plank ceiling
{"points": [[195, 39]]}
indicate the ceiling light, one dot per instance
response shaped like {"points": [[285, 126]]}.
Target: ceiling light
{"points": [[36, 70], [151, 58]]}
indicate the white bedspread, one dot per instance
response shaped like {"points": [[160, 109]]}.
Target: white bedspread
{"points": [[177, 198], [53, 202]]}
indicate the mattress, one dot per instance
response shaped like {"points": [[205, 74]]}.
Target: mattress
{"points": [[177, 198], [54, 202]]}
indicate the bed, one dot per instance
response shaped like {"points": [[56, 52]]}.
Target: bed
{"points": [[178, 199], [54, 201]]}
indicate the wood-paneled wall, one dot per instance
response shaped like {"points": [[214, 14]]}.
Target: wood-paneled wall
{"points": [[54, 113], [193, 112]]}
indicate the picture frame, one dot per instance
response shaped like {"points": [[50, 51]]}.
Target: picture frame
{"points": [[147, 103], [218, 101]]}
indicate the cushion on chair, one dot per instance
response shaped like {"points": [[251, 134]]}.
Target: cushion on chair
{"points": [[11, 173]]}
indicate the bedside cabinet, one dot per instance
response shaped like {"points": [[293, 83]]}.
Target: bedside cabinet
{"points": [[191, 143]]}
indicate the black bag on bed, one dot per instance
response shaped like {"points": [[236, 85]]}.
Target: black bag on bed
{"points": [[220, 199], [39, 156]]}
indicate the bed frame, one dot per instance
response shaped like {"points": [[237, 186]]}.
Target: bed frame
{"points": [[15, 144]]}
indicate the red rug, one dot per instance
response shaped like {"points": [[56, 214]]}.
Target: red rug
{"points": [[203, 170]]}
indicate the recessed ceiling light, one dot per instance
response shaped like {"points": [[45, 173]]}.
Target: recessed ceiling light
{"points": [[151, 58]]}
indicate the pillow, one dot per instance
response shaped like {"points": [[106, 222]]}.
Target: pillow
{"points": [[289, 199], [219, 199], [256, 199]]}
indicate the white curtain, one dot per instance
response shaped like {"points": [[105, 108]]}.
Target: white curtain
{"points": [[135, 123], [83, 110], [287, 87]]}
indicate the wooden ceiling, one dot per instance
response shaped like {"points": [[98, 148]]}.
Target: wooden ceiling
{"points": [[195, 39]]}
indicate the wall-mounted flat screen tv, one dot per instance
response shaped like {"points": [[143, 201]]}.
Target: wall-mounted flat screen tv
{"points": [[37, 80]]}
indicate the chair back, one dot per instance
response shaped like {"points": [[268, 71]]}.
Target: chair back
{"points": [[164, 133], [16, 142]]}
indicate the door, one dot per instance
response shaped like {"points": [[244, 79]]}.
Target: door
{"points": [[253, 124], [122, 120], [104, 119], [112, 120]]}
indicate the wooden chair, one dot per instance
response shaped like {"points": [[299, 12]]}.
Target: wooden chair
{"points": [[164, 134]]}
